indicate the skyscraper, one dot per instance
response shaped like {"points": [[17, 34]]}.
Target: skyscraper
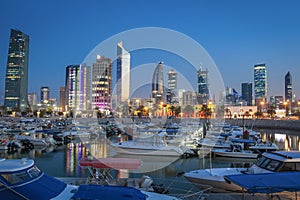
{"points": [[16, 81], [260, 83], [32, 99], [202, 86], [158, 83], [288, 87], [172, 86], [123, 74], [102, 83], [172, 80], [247, 93], [77, 88], [45, 94], [62, 99]]}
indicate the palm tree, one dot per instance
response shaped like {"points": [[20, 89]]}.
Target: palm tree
{"points": [[188, 109]]}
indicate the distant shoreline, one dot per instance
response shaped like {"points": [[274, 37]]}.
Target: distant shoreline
{"points": [[293, 125]]}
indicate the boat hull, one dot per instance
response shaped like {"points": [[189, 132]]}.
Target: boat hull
{"points": [[214, 179], [146, 152]]}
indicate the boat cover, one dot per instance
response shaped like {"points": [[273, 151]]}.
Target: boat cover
{"points": [[114, 163], [89, 192], [267, 182]]}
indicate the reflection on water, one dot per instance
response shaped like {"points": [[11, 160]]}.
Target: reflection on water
{"points": [[285, 140], [63, 160]]}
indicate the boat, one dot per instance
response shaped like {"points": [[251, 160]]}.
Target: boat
{"points": [[153, 145], [270, 162], [248, 154], [264, 146], [22, 180]]}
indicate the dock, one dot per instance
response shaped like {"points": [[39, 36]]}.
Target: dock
{"points": [[247, 196]]}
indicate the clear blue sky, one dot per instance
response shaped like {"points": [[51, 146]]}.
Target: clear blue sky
{"points": [[237, 34]]}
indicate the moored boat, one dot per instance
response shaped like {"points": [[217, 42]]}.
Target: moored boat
{"points": [[270, 162]]}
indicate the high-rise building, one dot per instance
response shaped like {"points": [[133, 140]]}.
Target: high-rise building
{"points": [[16, 80], [102, 83], [45, 95], [86, 86], [288, 87], [62, 99], [32, 98], [158, 83], [202, 86], [247, 93], [260, 83], [172, 80], [123, 74], [172, 86], [77, 88]]}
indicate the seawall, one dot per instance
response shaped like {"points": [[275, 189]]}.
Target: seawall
{"points": [[293, 125]]}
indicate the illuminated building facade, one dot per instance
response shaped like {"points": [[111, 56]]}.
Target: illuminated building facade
{"points": [[123, 74], [202, 86], [45, 94], [172, 86], [260, 83], [16, 80], [102, 83], [158, 83], [288, 87], [77, 87]]}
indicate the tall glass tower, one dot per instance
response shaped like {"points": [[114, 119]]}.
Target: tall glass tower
{"points": [[45, 94], [158, 83], [172, 86], [202, 86], [16, 80], [288, 87], [247, 93], [123, 73], [260, 83], [102, 83]]}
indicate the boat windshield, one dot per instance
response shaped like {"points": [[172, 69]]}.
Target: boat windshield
{"points": [[268, 164], [22, 176], [290, 166]]}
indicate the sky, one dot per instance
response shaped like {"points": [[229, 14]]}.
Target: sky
{"points": [[236, 34]]}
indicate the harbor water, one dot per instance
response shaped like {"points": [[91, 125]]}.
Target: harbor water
{"points": [[62, 161]]}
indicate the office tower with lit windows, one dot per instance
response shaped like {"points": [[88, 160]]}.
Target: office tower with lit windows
{"points": [[16, 80], [158, 83], [172, 86], [247, 93], [102, 83], [202, 86], [77, 87], [123, 74], [45, 95], [260, 83], [288, 87]]}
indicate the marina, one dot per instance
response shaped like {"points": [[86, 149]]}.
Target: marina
{"points": [[164, 169]]}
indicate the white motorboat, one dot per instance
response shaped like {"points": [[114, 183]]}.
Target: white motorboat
{"points": [[154, 145], [235, 153], [270, 162], [263, 147]]}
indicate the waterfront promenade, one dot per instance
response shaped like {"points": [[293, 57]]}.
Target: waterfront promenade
{"points": [[293, 125]]}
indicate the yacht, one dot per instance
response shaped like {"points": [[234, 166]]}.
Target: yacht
{"points": [[22, 180], [153, 145], [270, 162]]}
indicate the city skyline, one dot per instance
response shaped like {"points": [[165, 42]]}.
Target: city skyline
{"points": [[233, 34]]}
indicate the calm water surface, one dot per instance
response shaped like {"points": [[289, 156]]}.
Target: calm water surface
{"points": [[62, 161]]}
